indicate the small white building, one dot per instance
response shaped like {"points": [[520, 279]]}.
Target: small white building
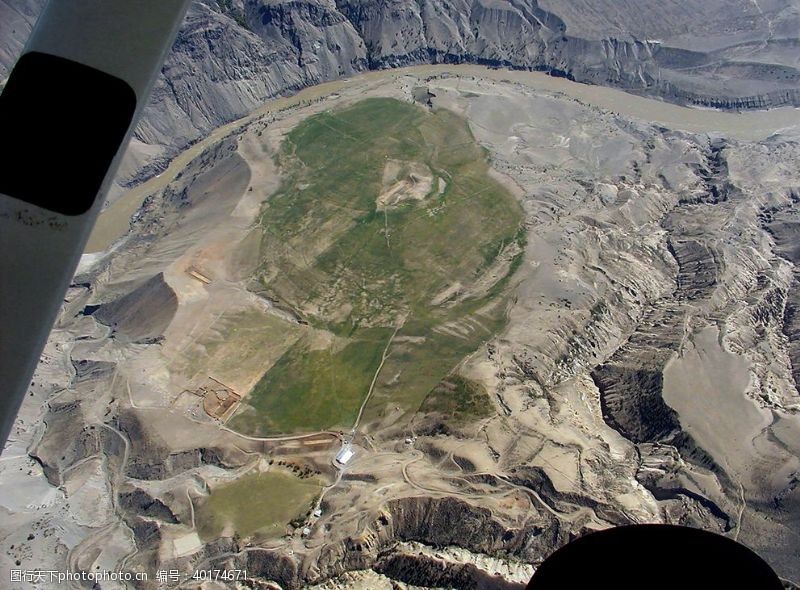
{"points": [[317, 513], [344, 455]]}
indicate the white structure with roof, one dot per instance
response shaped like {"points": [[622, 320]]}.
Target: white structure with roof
{"points": [[344, 455]]}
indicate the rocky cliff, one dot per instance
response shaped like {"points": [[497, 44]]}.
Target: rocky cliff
{"points": [[231, 55]]}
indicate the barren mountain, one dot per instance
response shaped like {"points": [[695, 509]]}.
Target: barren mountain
{"points": [[231, 55], [421, 326]]}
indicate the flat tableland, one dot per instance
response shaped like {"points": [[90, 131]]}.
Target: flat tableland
{"points": [[387, 216]]}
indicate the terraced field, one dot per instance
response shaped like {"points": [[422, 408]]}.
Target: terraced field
{"points": [[391, 241]]}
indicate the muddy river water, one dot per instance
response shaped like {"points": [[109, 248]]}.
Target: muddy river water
{"points": [[750, 125]]}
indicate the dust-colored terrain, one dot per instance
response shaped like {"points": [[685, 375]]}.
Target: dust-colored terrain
{"points": [[628, 355]]}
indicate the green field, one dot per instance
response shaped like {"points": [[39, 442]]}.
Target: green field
{"points": [[433, 254], [313, 389], [258, 504]]}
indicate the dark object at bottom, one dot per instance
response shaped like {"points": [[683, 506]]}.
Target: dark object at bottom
{"points": [[651, 556]]}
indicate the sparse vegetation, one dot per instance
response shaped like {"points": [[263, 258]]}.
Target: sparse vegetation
{"points": [[459, 399], [257, 504], [238, 349]]}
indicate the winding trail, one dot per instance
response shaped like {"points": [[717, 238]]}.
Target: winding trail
{"points": [[283, 438], [568, 517], [740, 517], [191, 508], [74, 554]]}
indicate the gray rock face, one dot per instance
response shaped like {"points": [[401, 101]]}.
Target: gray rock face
{"points": [[438, 522], [74, 441], [425, 571], [140, 502], [143, 313], [783, 224], [231, 55]]}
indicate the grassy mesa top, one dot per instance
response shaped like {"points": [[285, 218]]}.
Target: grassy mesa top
{"points": [[390, 240]]}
